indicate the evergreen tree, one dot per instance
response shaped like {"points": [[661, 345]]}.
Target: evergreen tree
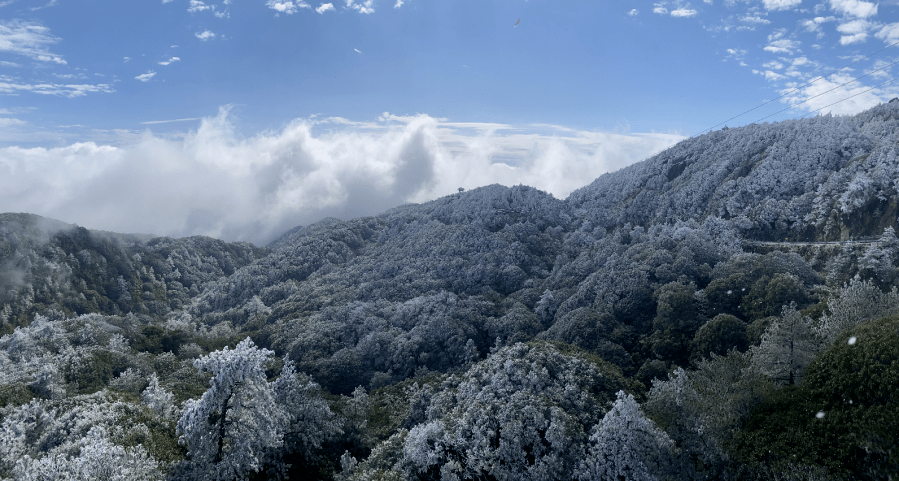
{"points": [[626, 445], [229, 429], [787, 348]]}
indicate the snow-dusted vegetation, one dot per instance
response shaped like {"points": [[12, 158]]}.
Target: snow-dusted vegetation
{"points": [[636, 330]]}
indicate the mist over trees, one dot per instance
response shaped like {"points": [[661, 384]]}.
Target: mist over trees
{"points": [[672, 320]]}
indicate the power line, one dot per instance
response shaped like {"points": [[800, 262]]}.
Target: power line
{"points": [[799, 87], [822, 93], [849, 97]]}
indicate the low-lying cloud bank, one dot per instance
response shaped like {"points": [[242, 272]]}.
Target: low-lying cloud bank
{"points": [[216, 183]]}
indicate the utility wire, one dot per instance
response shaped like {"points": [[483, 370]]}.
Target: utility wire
{"points": [[847, 98], [822, 93], [799, 87]]}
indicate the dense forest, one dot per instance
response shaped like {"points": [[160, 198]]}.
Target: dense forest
{"points": [[727, 309]]}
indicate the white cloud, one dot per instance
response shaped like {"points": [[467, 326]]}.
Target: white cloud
{"points": [[755, 19], [364, 7], [879, 69], [126, 59], [398, 4], [857, 97], [28, 39], [774, 64], [633, 12], [889, 33], [145, 77], [800, 61], [70, 75], [167, 1], [8, 85], [855, 8], [357, 50], [205, 35], [814, 24], [4, 63], [288, 7], [769, 75], [170, 61], [198, 6], [216, 182], [50, 4], [854, 31], [660, 9], [154, 122], [9, 122], [683, 12], [224, 14], [324, 8], [780, 4], [782, 46]]}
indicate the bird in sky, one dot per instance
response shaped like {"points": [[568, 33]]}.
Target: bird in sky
{"points": [[517, 22]]}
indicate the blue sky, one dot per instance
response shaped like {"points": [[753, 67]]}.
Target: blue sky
{"points": [[347, 108]]}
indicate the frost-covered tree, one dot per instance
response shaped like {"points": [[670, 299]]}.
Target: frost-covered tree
{"points": [[157, 398], [879, 260], [523, 413], [56, 429], [97, 459], [229, 429], [626, 445], [856, 302], [702, 409], [546, 307], [311, 421], [788, 346]]}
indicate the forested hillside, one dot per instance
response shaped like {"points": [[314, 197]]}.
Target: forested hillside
{"points": [[631, 331]]}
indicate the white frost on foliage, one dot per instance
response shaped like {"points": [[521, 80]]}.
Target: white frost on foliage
{"points": [[98, 459], [625, 445], [238, 424], [857, 302], [157, 398], [229, 428]]}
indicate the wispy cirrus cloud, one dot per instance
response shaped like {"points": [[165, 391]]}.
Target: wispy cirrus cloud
{"points": [[12, 86], [155, 122], [28, 39], [169, 61]]}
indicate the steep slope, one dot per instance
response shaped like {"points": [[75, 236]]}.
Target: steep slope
{"points": [[50, 265], [815, 179]]}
